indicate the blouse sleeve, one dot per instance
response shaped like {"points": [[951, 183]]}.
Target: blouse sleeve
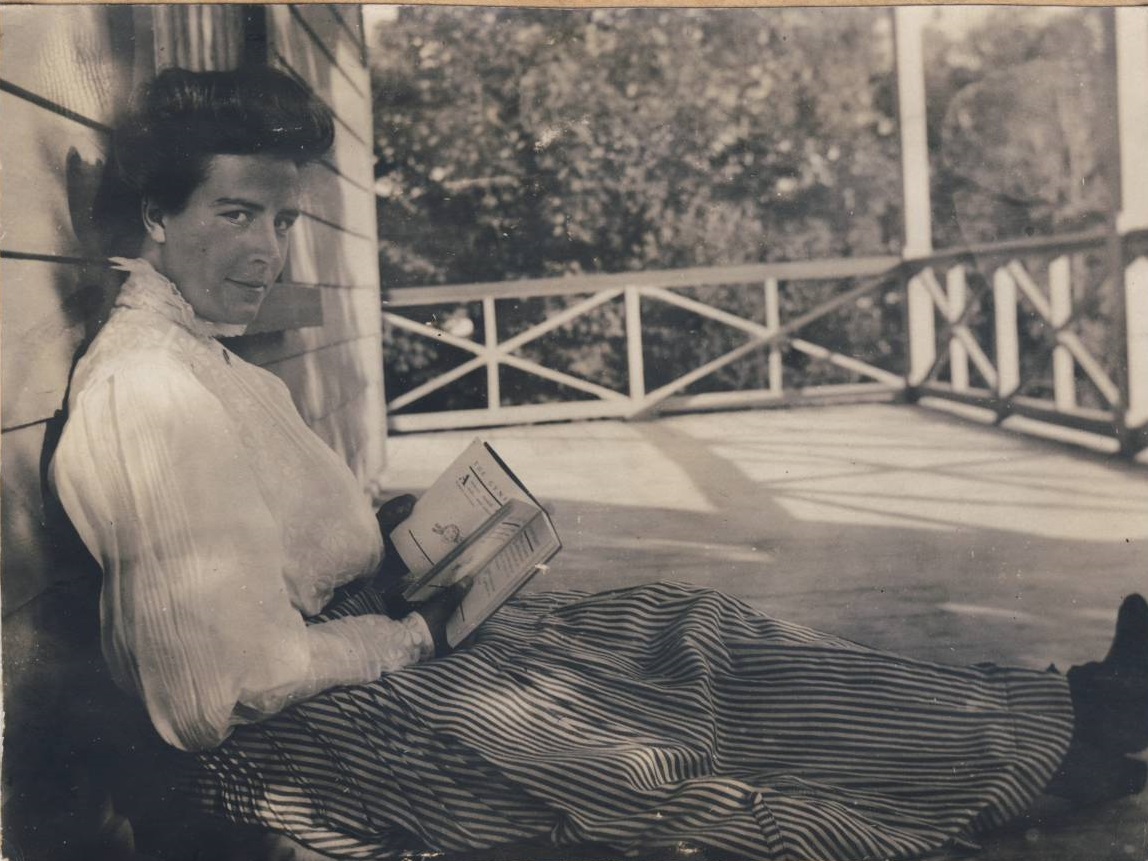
{"points": [[195, 613]]}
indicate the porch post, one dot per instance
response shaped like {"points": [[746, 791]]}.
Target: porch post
{"points": [[635, 362], [490, 341], [957, 288], [1007, 342], [920, 320], [1132, 107], [1060, 301], [909, 23], [773, 321], [1131, 26]]}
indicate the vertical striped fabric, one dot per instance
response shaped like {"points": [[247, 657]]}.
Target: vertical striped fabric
{"points": [[645, 719]]}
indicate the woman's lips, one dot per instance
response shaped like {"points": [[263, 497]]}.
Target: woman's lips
{"points": [[248, 285]]}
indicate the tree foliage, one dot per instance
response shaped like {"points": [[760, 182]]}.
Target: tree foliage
{"points": [[520, 142], [517, 142], [1021, 136], [1018, 129]]}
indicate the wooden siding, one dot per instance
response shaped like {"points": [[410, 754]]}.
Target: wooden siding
{"points": [[63, 74], [348, 315], [332, 197], [197, 37], [49, 308], [82, 58], [296, 50], [59, 158], [21, 524]]}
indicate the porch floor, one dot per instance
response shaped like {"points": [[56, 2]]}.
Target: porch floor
{"points": [[897, 526]]}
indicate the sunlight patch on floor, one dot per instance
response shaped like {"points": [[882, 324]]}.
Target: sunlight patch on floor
{"points": [[606, 463], [829, 512], [1008, 613], [715, 552], [883, 466], [866, 465], [948, 501]]}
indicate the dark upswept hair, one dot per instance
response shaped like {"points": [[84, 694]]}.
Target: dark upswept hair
{"points": [[180, 119]]}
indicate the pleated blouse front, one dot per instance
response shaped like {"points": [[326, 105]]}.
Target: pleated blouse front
{"points": [[220, 522]]}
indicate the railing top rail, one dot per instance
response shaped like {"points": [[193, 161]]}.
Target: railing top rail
{"points": [[1064, 242], [699, 276]]}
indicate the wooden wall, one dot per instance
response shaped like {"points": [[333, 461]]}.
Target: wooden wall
{"points": [[62, 74], [65, 71]]}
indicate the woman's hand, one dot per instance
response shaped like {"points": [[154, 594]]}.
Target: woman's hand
{"points": [[392, 512], [437, 612]]}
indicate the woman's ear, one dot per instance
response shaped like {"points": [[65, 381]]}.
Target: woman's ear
{"points": [[153, 221]]}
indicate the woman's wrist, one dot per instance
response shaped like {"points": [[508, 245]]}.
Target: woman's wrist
{"points": [[436, 615], [421, 631]]}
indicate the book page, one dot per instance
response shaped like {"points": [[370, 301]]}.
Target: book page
{"points": [[461, 500], [503, 575], [474, 553]]}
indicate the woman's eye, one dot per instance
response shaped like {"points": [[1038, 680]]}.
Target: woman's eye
{"points": [[284, 223], [238, 216]]}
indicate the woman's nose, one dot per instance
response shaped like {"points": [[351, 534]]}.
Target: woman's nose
{"points": [[268, 246]]}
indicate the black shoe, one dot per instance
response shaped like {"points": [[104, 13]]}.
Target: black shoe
{"points": [[1091, 776], [1110, 697], [1130, 645]]}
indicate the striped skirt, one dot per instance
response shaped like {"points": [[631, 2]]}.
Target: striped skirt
{"points": [[647, 719]]}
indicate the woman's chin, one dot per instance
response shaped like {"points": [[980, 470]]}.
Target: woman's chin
{"points": [[247, 317], [241, 314]]}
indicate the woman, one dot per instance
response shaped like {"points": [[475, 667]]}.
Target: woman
{"points": [[642, 719]]}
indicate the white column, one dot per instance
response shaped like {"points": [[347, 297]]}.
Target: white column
{"points": [[490, 330], [922, 332], [635, 361], [1136, 295], [1007, 342], [957, 290], [1060, 302], [1132, 107], [909, 23], [773, 321]]}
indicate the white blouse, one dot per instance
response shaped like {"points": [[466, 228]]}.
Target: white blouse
{"points": [[220, 521]]}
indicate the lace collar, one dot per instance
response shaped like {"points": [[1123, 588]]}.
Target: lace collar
{"points": [[146, 289]]}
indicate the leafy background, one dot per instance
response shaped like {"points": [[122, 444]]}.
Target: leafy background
{"points": [[518, 143]]}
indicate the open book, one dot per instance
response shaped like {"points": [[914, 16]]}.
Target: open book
{"points": [[477, 525]]}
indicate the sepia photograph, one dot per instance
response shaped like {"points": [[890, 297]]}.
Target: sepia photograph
{"points": [[574, 432]]}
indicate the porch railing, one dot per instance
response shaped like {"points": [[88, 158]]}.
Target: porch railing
{"points": [[1042, 328], [1061, 334], [584, 294]]}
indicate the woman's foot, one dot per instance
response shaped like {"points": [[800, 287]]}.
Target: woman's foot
{"points": [[1091, 776], [1110, 697], [1130, 644]]}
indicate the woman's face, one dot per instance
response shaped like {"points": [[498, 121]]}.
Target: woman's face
{"points": [[229, 244]]}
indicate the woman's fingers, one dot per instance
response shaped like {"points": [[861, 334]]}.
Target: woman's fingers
{"points": [[394, 511]]}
